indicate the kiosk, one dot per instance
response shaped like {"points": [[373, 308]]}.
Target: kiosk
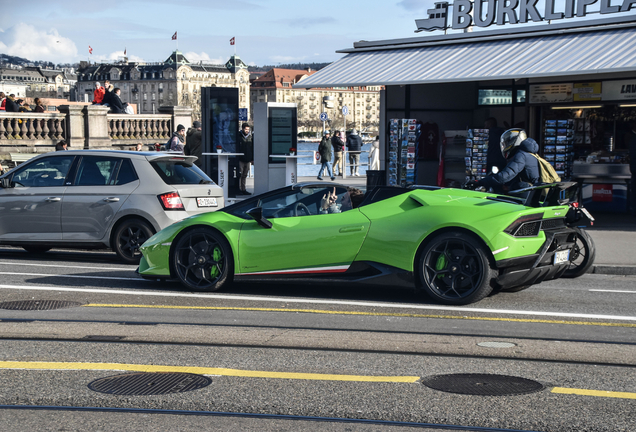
{"points": [[275, 138]]}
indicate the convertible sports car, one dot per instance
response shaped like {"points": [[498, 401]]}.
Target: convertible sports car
{"points": [[457, 245]]}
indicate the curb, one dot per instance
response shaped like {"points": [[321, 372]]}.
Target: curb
{"points": [[607, 269]]}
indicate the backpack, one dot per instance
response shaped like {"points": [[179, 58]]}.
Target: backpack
{"points": [[547, 174]]}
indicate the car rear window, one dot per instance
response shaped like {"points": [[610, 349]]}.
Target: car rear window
{"points": [[178, 173]]}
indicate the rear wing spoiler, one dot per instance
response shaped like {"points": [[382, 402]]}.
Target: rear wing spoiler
{"points": [[551, 194], [172, 156]]}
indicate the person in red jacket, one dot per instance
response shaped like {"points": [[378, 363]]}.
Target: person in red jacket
{"points": [[98, 94]]}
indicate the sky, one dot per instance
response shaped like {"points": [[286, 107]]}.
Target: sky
{"points": [[267, 32]]}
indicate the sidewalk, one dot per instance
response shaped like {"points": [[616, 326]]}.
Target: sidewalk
{"points": [[614, 234]]}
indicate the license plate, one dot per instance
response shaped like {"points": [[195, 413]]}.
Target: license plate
{"points": [[561, 257], [206, 202]]}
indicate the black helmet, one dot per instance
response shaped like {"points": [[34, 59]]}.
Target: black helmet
{"points": [[511, 139]]}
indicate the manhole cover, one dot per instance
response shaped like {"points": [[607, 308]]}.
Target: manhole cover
{"points": [[38, 304], [150, 383], [482, 384]]}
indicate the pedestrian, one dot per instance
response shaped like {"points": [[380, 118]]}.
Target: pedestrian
{"points": [[354, 146], [3, 101], [338, 146], [325, 155], [374, 154], [177, 141], [245, 146], [116, 105], [39, 106], [108, 93], [493, 155], [61, 146], [193, 143], [22, 107], [10, 104], [98, 94]]}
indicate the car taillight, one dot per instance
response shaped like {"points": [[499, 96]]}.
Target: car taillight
{"points": [[525, 226], [171, 201]]}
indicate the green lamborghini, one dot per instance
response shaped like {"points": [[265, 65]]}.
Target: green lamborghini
{"points": [[457, 245]]}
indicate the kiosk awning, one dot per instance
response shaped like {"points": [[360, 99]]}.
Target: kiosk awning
{"points": [[550, 53]]}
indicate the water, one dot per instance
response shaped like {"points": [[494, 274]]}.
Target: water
{"points": [[309, 170]]}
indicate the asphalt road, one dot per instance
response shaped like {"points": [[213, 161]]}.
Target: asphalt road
{"points": [[288, 357]]}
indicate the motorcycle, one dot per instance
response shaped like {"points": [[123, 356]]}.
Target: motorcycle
{"points": [[584, 252]]}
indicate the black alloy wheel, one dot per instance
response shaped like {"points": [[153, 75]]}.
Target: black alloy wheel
{"points": [[129, 237], [455, 270], [582, 255], [203, 260], [36, 249]]}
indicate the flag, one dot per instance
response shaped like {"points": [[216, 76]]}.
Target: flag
{"points": [[90, 50], [174, 36], [124, 51], [232, 41]]}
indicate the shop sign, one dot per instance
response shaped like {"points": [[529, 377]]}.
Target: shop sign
{"points": [[602, 192], [619, 90], [585, 92], [484, 13], [551, 93]]}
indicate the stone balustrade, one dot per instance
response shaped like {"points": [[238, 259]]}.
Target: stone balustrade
{"points": [[85, 127], [139, 128], [31, 129]]}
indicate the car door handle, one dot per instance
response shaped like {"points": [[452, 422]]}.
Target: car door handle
{"points": [[351, 229], [111, 199], [53, 199]]}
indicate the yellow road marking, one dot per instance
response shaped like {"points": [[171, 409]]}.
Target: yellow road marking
{"points": [[204, 371], [262, 374], [596, 393], [382, 314]]}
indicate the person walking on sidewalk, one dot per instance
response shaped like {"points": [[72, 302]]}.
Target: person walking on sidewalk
{"points": [[193, 143], [338, 146], [325, 155], [177, 141], [245, 146], [354, 144]]}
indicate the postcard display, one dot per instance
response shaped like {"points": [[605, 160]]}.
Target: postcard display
{"points": [[558, 145], [403, 138], [476, 151]]}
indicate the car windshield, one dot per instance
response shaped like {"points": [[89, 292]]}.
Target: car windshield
{"points": [[176, 172]]}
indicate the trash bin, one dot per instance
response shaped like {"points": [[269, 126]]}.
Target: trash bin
{"points": [[375, 178]]}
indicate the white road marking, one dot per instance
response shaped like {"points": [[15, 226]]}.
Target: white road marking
{"points": [[613, 291], [318, 301], [17, 264], [73, 276]]}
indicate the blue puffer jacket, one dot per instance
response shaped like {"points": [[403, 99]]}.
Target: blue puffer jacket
{"points": [[522, 167]]}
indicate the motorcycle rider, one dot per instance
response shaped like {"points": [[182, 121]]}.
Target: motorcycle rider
{"points": [[522, 168]]}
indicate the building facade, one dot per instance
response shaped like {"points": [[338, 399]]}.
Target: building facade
{"points": [[175, 82], [363, 102], [34, 82]]}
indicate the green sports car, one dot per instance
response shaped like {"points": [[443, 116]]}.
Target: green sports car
{"points": [[457, 245]]}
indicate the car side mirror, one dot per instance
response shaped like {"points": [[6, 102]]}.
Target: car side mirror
{"points": [[257, 214], [5, 183]]}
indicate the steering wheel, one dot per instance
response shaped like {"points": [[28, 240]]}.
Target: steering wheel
{"points": [[303, 207]]}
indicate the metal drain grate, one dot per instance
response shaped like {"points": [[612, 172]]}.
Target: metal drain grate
{"points": [[38, 304], [482, 384], [150, 383]]}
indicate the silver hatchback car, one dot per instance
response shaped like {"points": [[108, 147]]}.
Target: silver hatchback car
{"points": [[100, 199]]}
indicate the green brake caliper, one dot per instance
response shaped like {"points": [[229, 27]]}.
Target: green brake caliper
{"points": [[216, 255], [441, 265]]}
